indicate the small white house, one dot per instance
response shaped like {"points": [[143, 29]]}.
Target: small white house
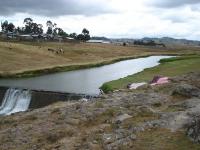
{"points": [[25, 37], [98, 41]]}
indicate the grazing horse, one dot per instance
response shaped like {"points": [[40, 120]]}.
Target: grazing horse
{"points": [[58, 51], [51, 50], [61, 50]]}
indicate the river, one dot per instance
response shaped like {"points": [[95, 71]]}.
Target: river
{"points": [[84, 81]]}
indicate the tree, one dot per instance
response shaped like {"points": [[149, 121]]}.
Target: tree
{"points": [[50, 26], [28, 21], [73, 35], [55, 31], [36, 28], [7, 27], [86, 34], [64, 34], [59, 31], [19, 30], [80, 37], [40, 30], [28, 25], [86, 37], [4, 26], [49, 31], [85, 31], [10, 27], [32, 27]]}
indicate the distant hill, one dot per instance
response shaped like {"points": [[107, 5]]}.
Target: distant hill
{"points": [[100, 38], [164, 40], [173, 41]]}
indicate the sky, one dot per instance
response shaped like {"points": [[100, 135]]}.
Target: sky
{"points": [[111, 18]]}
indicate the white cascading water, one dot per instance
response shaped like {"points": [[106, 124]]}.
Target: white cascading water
{"points": [[15, 100]]}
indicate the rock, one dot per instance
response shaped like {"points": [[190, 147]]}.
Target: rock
{"points": [[121, 143], [108, 138], [84, 100], [149, 98], [72, 121], [116, 91], [95, 142], [121, 133], [189, 103], [146, 109], [186, 90], [133, 137], [122, 118], [193, 131]]}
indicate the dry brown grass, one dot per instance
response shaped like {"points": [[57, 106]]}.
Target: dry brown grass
{"points": [[28, 56], [163, 139]]}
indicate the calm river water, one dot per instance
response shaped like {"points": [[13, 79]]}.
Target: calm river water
{"points": [[85, 81]]}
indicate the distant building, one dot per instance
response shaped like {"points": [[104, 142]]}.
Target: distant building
{"points": [[11, 35], [98, 41], [36, 37], [69, 39], [25, 37]]}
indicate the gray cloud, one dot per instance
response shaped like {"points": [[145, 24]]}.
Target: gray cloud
{"points": [[177, 17], [54, 7], [196, 8], [173, 3]]}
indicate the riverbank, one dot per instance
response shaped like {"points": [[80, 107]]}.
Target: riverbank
{"points": [[44, 71], [169, 67], [159, 117], [31, 58]]}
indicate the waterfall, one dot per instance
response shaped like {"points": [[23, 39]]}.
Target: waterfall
{"points": [[15, 100]]}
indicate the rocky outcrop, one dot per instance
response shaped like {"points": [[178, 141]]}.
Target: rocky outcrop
{"points": [[187, 90], [153, 118], [193, 130]]}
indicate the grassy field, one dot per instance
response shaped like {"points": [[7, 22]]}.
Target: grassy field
{"points": [[31, 58], [168, 67]]}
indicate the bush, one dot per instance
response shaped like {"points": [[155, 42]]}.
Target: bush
{"points": [[106, 88]]}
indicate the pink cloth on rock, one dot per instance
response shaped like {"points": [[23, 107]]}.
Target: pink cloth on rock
{"points": [[160, 80]]}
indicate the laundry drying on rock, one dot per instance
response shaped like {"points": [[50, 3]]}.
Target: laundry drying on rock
{"points": [[159, 80]]}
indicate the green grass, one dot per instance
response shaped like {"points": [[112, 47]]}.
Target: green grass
{"points": [[168, 67]]}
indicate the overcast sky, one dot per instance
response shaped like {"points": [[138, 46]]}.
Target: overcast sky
{"points": [[111, 18]]}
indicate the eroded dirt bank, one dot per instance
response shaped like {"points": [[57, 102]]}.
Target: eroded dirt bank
{"points": [[161, 117]]}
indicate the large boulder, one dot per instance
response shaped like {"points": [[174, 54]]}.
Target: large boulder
{"points": [[187, 90], [193, 131]]}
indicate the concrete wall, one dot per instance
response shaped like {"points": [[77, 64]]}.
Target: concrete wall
{"points": [[43, 98], [2, 93]]}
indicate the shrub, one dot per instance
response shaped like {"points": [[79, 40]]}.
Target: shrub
{"points": [[106, 88]]}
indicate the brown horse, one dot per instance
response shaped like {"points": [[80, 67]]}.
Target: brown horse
{"points": [[58, 51]]}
